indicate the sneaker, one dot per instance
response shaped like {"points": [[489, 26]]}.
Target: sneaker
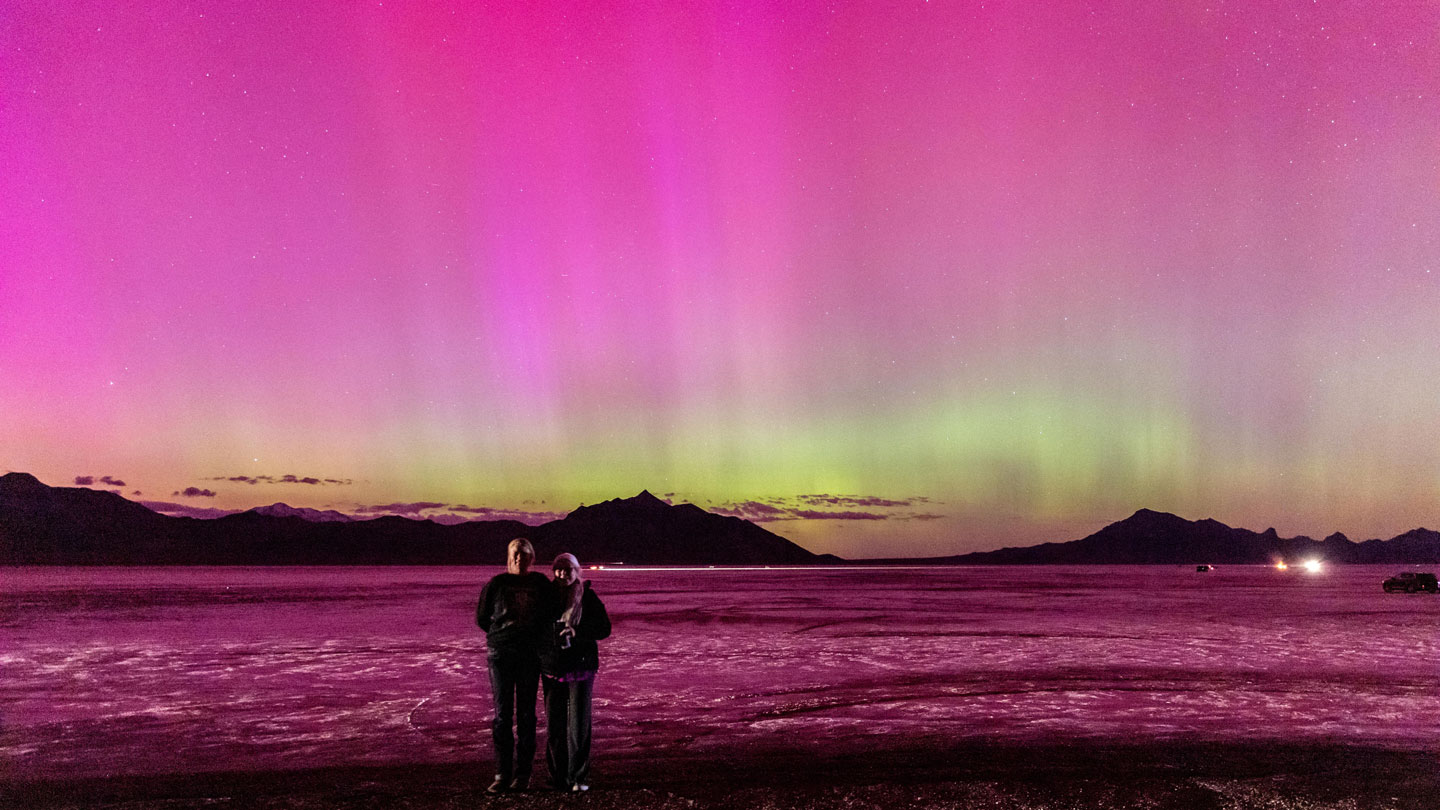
{"points": [[579, 787], [498, 786], [520, 783]]}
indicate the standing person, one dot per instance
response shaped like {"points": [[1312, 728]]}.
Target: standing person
{"points": [[569, 660], [513, 613]]}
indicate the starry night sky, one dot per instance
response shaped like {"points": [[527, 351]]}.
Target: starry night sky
{"points": [[898, 278]]}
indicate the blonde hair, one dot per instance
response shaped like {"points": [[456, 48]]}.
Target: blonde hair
{"points": [[524, 546]]}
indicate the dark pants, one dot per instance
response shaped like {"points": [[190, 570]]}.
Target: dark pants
{"points": [[514, 678], [567, 731]]}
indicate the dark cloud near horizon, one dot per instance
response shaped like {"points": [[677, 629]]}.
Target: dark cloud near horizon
{"points": [[815, 514], [799, 507], [194, 492], [474, 510], [853, 500], [91, 480], [412, 508], [457, 513], [753, 511], [288, 478]]}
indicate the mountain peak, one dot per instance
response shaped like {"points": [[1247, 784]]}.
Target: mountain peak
{"points": [[1150, 516], [20, 482], [644, 502], [644, 527]]}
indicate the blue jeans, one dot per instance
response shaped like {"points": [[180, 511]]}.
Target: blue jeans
{"points": [[514, 678], [567, 731]]}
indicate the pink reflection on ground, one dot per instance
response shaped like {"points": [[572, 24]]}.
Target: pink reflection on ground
{"points": [[105, 670]]}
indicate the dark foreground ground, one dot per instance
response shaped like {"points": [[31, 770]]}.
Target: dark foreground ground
{"points": [[912, 773]]}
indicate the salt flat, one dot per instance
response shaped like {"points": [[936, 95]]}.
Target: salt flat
{"points": [[107, 672]]}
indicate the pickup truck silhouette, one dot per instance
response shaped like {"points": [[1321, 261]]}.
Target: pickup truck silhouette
{"points": [[1411, 582]]}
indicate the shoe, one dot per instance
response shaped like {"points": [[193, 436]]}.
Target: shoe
{"points": [[498, 786], [519, 783], [579, 787]]}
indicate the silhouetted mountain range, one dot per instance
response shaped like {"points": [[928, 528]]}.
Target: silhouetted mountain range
{"points": [[1160, 538], [43, 525], [76, 526]]}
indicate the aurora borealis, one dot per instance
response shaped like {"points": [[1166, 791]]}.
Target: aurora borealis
{"points": [[982, 273]]}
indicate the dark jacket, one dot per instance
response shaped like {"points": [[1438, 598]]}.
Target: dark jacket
{"points": [[514, 612], [583, 654]]}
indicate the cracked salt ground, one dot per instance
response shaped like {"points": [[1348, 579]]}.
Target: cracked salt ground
{"points": [[109, 671]]}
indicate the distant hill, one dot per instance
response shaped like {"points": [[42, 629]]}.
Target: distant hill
{"points": [[304, 513], [43, 525], [1160, 538]]}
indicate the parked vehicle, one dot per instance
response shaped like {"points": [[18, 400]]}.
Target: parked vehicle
{"points": [[1412, 582], [1204, 568]]}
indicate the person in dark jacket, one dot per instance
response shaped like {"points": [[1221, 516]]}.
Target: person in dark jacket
{"points": [[514, 613], [569, 660]]}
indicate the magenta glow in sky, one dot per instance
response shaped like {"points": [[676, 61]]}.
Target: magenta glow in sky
{"points": [[1021, 268]]}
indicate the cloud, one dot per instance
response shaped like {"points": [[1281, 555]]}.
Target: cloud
{"points": [[458, 513], [804, 507], [288, 478], [194, 492], [753, 511], [474, 510], [413, 508], [90, 480], [813, 514], [852, 500], [185, 510]]}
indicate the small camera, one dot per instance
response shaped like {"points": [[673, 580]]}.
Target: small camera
{"points": [[560, 628]]}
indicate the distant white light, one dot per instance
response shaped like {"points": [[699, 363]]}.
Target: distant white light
{"points": [[1313, 566]]}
